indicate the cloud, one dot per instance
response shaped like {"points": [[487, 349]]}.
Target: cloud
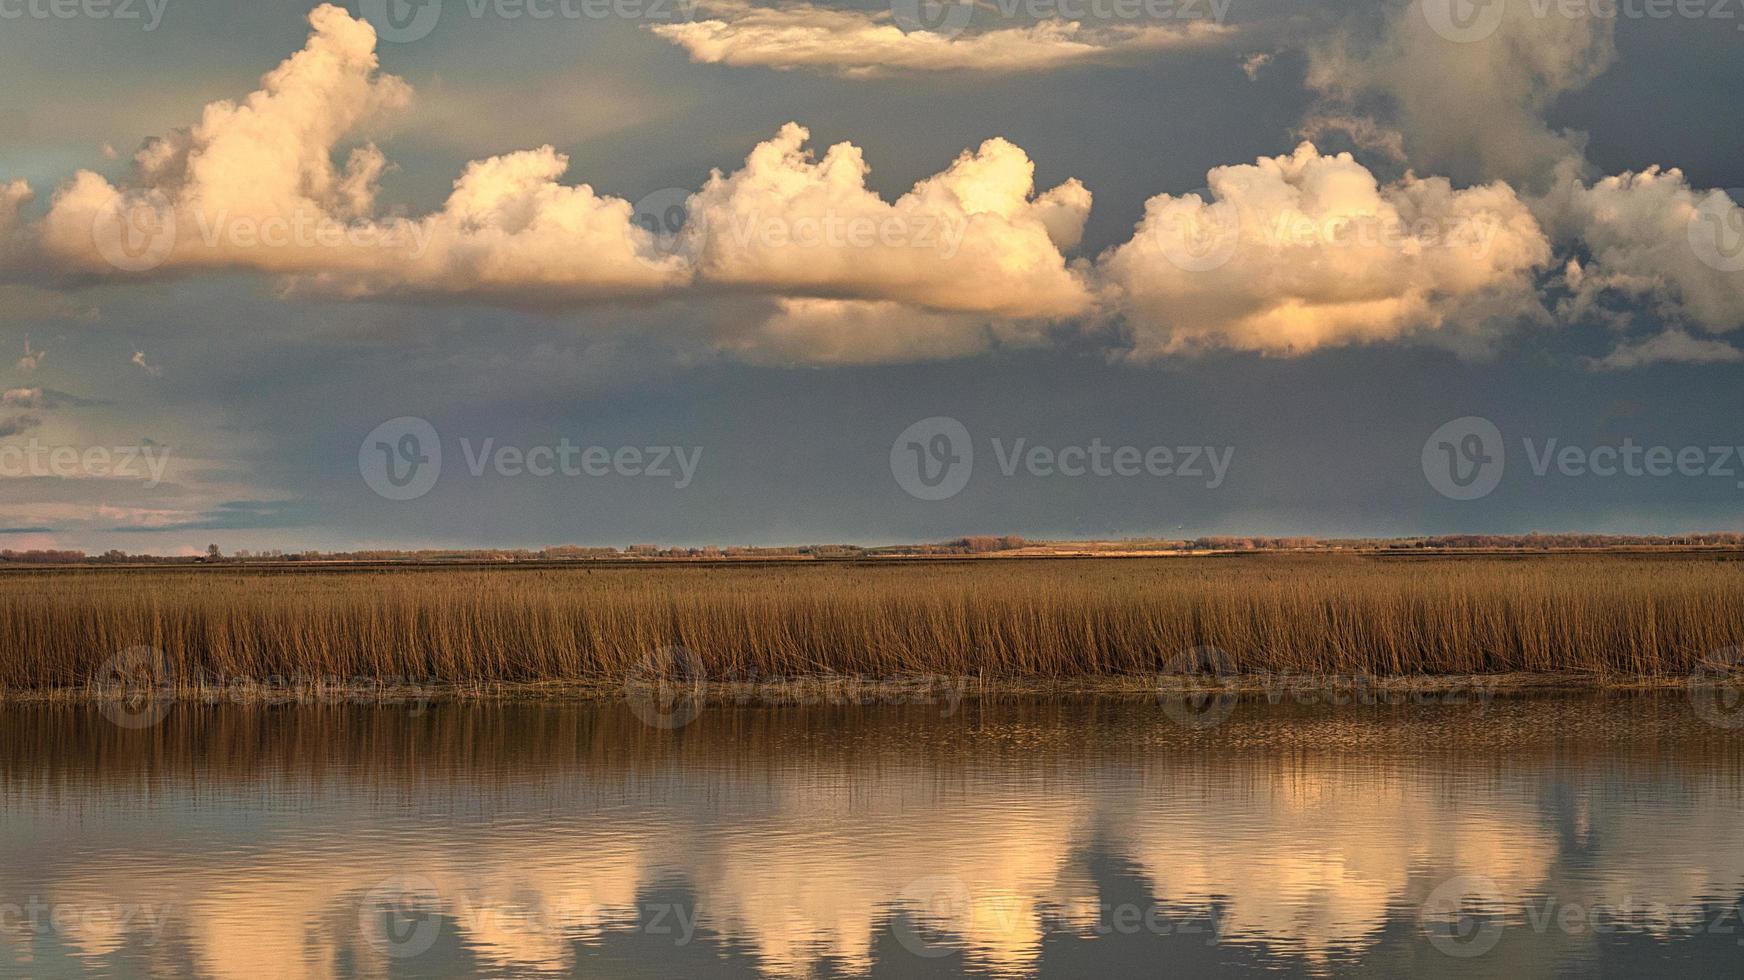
{"points": [[1299, 252], [1363, 132], [1652, 238], [31, 360], [254, 186], [13, 196], [973, 238], [16, 424], [840, 332], [268, 158], [1468, 96], [862, 43], [138, 358], [1672, 346], [42, 398], [1252, 65], [1287, 255]]}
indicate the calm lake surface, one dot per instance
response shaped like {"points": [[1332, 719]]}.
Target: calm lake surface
{"points": [[1550, 837]]}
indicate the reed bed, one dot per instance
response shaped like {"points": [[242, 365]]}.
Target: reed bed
{"points": [[1602, 615]]}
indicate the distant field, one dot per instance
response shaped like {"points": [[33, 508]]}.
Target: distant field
{"points": [[1605, 615]]}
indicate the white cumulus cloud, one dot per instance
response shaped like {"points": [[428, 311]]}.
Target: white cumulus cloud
{"points": [[868, 43], [1303, 251], [1650, 237], [973, 238], [1286, 255], [254, 185]]}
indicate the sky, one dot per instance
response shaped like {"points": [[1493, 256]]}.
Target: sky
{"points": [[517, 273]]}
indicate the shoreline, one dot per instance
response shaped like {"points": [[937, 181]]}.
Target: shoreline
{"points": [[913, 689]]}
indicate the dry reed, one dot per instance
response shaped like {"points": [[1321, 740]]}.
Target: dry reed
{"points": [[1605, 615]]}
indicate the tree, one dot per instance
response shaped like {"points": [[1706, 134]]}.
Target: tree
{"points": [[212, 553]]}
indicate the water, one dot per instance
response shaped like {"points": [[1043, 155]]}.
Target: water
{"points": [[1546, 837]]}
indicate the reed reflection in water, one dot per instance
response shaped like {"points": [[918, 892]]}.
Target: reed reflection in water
{"points": [[1535, 837]]}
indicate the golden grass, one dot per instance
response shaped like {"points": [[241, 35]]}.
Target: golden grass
{"points": [[1605, 615]]}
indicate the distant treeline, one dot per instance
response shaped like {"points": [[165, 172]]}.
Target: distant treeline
{"points": [[968, 545]]}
